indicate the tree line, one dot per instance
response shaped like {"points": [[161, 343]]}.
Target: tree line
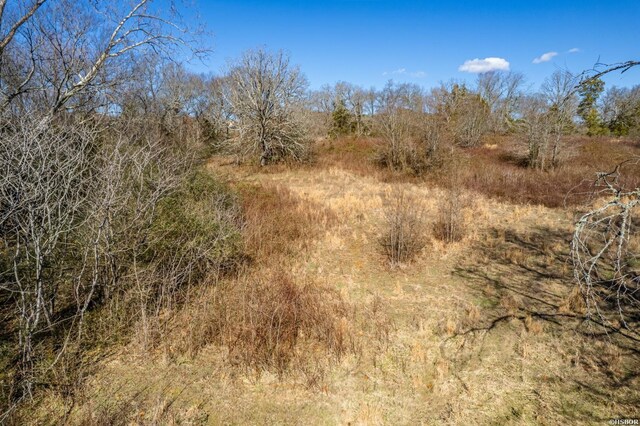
{"points": [[261, 107]]}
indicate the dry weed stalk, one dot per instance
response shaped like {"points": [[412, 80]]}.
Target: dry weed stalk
{"points": [[449, 225]]}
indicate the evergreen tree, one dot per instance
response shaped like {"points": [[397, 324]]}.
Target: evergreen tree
{"points": [[590, 91], [342, 120]]}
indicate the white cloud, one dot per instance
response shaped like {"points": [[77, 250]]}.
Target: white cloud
{"points": [[484, 65], [574, 50], [399, 71], [545, 57], [403, 71]]}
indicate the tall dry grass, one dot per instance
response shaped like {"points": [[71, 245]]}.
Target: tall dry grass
{"points": [[263, 317]]}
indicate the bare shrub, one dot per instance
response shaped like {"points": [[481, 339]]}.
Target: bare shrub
{"points": [[403, 233], [438, 154], [471, 120], [399, 149], [399, 123], [449, 225]]}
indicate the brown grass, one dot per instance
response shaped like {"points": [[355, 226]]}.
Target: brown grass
{"points": [[498, 168], [264, 320], [278, 223], [270, 316], [265, 315], [318, 331], [501, 172]]}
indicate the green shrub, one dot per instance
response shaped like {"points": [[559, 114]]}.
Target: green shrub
{"points": [[197, 230]]}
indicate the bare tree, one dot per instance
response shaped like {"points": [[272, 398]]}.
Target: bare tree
{"points": [[536, 130], [396, 122], [465, 113], [60, 50], [265, 95], [558, 91], [604, 261], [501, 91]]}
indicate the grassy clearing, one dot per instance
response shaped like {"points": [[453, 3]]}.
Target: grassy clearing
{"points": [[485, 330]]}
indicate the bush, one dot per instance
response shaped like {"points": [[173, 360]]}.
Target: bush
{"points": [[196, 236], [199, 228], [270, 316], [449, 225], [403, 235], [263, 317]]}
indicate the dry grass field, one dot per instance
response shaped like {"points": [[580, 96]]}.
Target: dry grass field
{"points": [[486, 330]]}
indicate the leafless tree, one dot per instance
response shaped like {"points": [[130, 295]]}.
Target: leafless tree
{"points": [[396, 122], [266, 93], [61, 50], [558, 91], [215, 108], [536, 130], [501, 91], [464, 112]]}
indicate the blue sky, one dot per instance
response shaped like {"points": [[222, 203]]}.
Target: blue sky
{"points": [[368, 42]]}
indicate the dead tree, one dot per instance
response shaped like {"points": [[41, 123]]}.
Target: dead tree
{"points": [[603, 244], [602, 250]]}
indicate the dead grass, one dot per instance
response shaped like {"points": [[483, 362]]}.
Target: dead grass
{"points": [[263, 315], [497, 169], [278, 223], [265, 320], [483, 331], [501, 172]]}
